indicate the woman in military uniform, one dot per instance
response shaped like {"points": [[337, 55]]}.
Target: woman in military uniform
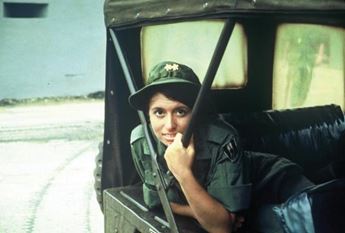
{"points": [[212, 180]]}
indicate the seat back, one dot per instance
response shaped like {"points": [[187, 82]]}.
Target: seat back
{"points": [[313, 137]]}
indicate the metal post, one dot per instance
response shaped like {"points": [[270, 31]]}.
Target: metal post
{"points": [[159, 180], [209, 77]]}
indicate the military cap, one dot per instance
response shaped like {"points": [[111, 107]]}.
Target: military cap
{"points": [[166, 74]]}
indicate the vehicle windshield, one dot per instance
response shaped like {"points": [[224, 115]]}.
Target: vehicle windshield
{"points": [[186, 43]]}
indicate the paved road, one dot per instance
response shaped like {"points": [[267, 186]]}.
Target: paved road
{"points": [[47, 159]]}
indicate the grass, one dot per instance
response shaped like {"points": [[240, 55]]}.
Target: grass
{"points": [[49, 100]]}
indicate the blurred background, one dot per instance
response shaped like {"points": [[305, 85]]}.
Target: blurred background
{"points": [[52, 62], [51, 48]]}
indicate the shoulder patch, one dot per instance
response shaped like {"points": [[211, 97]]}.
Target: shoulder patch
{"points": [[231, 150], [137, 133]]}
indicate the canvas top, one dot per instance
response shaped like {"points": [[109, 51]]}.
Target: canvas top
{"points": [[124, 13]]}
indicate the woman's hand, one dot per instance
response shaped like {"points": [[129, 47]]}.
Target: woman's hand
{"points": [[183, 210], [180, 159], [207, 211]]}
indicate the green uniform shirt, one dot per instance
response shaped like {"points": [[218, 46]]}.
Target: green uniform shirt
{"points": [[228, 174]]}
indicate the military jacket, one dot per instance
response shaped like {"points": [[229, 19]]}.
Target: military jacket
{"points": [[227, 173]]}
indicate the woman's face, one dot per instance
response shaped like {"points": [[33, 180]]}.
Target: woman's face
{"points": [[168, 117]]}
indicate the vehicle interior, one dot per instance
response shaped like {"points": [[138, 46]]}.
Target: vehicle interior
{"points": [[280, 82]]}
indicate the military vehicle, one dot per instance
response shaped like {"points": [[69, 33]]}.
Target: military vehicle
{"points": [[275, 69]]}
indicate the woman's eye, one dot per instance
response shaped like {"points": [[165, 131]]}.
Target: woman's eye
{"points": [[182, 112], [158, 113]]}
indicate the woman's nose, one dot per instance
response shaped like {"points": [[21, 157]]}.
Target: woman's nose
{"points": [[170, 123]]}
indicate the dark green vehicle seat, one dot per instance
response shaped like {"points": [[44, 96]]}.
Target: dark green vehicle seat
{"points": [[313, 137]]}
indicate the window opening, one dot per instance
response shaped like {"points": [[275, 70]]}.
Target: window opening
{"points": [[25, 10], [308, 66]]}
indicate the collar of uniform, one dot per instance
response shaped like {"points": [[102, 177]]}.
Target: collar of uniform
{"points": [[217, 131], [146, 149], [211, 136], [161, 148]]}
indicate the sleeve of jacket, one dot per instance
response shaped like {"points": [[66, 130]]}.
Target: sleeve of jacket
{"points": [[229, 180], [141, 159], [136, 151]]}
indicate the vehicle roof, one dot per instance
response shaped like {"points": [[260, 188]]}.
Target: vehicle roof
{"points": [[124, 13]]}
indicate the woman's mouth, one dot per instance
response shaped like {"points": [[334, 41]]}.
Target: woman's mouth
{"points": [[169, 136]]}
